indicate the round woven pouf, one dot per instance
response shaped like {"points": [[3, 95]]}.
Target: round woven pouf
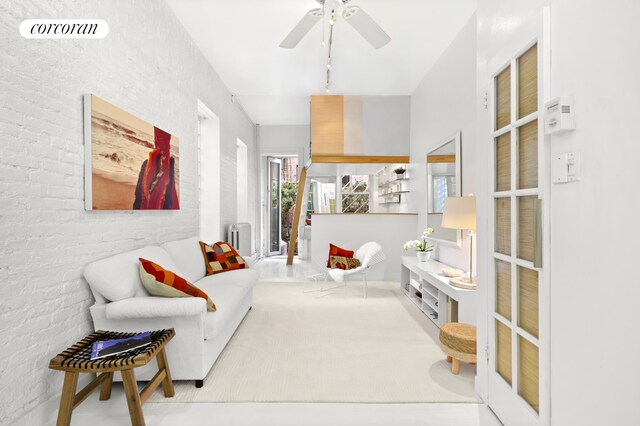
{"points": [[458, 341]]}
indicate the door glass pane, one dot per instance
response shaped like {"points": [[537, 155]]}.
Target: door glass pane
{"points": [[503, 162], [274, 206], [526, 227], [503, 343], [528, 365], [503, 226], [528, 300], [528, 82], [503, 98], [528, 155], [503, 289]]}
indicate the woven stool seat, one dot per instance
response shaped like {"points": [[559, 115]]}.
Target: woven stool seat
{"points": [[459, 336], [77, 359], [78, 356], [458, 341]]}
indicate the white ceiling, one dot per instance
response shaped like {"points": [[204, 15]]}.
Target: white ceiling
{"points": [[240, 39]]}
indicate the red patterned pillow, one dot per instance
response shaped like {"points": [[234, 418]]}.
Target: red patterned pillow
{"points": [[337, 251], [221, 257], [164, 283], [346, 263]]}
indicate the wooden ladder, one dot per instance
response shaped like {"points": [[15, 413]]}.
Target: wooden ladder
{"points": [[296, 218]]}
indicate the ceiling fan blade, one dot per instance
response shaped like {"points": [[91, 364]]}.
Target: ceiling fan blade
{"points": [[302, 28], [366, 26]]}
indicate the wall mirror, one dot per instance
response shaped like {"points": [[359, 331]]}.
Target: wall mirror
{"points": [[444, 179]]}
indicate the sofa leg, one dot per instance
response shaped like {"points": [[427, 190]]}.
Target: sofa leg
{"points": [[199, 383]]}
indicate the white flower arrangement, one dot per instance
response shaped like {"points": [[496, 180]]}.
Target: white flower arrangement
{"points": [[423, 244]]}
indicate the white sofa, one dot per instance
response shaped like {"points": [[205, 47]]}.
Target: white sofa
{"points": [[122, 304]]}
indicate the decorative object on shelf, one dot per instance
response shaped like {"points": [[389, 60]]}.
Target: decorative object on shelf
{"points": [[423, 246], [129, 163], [423, 256], [400, 172], [460, 213], [391, 184], [451, 272]]}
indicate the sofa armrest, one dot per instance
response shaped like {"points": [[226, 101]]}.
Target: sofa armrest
{"points": [[155, 307]]}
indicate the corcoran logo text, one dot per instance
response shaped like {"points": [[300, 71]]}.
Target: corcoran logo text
{"points": [[64, 28]]}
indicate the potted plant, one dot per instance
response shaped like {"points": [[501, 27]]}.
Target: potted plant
{"points": [[423, 246], [400, 172]]}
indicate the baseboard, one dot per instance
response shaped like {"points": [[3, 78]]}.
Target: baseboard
{"points": [[46, 413]]}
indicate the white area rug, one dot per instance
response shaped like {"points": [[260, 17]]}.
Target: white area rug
{"points": [[295, 347]]}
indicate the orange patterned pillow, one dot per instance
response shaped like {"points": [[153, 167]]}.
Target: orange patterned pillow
{"points": [[342, 262], [221, 257], [161, 282]]}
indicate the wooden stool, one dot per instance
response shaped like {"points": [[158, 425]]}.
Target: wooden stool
{"points": [[458, 341], [77, 359]]}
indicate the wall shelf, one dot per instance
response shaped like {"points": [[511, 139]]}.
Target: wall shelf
{"points": [[392, 193], [392, 181], [390, 186]]}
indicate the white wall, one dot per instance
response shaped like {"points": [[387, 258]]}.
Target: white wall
{"points": [[385, 125], [594, 292], [443, 104], [148, 66], [290, 140]]}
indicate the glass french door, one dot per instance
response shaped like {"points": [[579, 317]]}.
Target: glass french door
{"points": [[274, 205], [518, 329]]}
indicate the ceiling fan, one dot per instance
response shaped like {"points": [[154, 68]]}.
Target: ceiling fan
{"points": [[354, 15]]}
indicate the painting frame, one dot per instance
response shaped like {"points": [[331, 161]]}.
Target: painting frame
{"points": [[130, 164]]}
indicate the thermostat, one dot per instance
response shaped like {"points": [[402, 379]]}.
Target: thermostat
{"points": [[559, 115]]}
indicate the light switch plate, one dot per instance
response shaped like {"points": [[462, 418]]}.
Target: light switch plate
{"points": [[566, 167]]}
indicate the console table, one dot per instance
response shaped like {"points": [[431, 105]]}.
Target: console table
{"points": [[424, 285]]}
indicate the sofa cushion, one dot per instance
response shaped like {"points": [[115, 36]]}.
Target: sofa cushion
{"points": [[188, 256], [228, 300], [165, 283], [221, 257], [243, 278], [117, 277]]}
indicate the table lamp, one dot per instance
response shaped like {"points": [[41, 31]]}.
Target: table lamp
{"points": [[460, 213]]}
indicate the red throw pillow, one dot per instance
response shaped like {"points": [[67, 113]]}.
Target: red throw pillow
{"points": [[337, 251]]}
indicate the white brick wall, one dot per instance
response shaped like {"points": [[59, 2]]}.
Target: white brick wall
{"points": [[148, 66]]}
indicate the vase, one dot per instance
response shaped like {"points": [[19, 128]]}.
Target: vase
{"points": [[423, 256]]}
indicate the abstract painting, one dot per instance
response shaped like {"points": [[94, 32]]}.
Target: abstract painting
{"points": [[129, 163]]}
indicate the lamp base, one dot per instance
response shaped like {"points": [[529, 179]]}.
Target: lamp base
{"points": [[463, 282]]}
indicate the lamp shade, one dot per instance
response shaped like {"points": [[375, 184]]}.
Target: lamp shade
{"points": [[459, 213]]}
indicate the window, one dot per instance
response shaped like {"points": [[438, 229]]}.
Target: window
{"points": [[355, 194]]}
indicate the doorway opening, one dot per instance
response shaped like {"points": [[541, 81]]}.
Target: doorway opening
{"points": [[209, 173], [282, 188]]}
